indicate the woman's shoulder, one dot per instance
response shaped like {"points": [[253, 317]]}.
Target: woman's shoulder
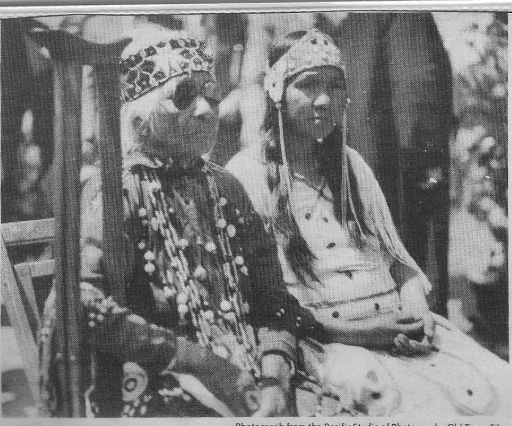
{"points": [[247, 164], [360, 167], [248, 167], [228, 184], [224, 177]]}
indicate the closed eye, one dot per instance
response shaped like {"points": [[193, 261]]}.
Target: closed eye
{"points": [[308, 83]]}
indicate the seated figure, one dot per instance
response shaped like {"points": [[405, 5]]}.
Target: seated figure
{"points": [[379, 350], [197, 335]]}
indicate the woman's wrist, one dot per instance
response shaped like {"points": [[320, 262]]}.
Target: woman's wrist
{"points": [[276, 366]]}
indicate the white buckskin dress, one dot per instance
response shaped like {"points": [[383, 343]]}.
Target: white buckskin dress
{"points": [[460, 378]]}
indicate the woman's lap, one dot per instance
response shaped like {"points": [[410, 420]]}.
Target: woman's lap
{"points": [[461, 378]]}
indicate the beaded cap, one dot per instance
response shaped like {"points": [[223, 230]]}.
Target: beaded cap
{"points": [[314, 49], [156, 64]]}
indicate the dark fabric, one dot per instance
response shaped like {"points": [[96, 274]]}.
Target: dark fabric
{"points": [[400, 118], [147, 331], [272, 305]]}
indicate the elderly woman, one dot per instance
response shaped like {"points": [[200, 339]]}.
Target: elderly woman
{"points": [[382, 351], [205, 316]]}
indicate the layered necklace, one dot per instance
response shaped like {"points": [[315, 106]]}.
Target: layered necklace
{"points": [[160, 223]]}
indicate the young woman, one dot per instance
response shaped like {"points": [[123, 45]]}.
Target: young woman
{"points": [[205, 318], [383, 351]]}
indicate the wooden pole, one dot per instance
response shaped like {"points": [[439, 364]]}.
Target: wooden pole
{"points": [[107, 95], [67, 84], [70, 53]]}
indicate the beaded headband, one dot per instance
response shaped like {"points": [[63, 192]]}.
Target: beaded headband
{"points": [[155, 65], [314, 49]]}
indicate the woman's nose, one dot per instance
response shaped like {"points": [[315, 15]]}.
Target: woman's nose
{"points": [[202, 108], [322, 100]]}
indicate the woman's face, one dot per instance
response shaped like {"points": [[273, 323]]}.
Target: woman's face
{"points": [[315, 100], [184, 122]]}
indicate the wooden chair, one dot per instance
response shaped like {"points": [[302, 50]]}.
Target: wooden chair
{"points": [[18, 293]]}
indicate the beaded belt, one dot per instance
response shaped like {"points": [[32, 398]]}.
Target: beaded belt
{"points": [[358, 308]]}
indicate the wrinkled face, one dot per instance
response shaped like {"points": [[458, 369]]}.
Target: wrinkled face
{"points": [[183, 124], [315, 100]]}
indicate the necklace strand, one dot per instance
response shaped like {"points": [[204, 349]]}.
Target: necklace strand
{"points": [[177, 281]]}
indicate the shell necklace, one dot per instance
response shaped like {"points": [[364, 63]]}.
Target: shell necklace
{"points": [[159, 223]]}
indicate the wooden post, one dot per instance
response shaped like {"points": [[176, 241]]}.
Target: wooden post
{"points": [[67, 83], [70, 53], [108, 98]]}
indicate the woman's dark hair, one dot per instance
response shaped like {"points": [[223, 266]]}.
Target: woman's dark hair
{"points": [[328, 156]]}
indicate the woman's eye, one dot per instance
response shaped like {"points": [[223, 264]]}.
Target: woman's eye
{"points": [[185, 94], [307, 86]]}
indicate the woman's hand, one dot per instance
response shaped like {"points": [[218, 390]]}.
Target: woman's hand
{"points": [[383, 329], [375, 332], [273, 401], [276, 374], [414, 304], [407, 346]]}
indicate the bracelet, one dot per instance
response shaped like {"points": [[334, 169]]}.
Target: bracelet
{"points": [[267, 382], [285, 356]]}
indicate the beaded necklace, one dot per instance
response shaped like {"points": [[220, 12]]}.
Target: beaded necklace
{"points": [[159, 223]]}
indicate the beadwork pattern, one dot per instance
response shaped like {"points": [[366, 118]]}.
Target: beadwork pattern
{"points": [[160, 223], [155, 65], [315, 49]]}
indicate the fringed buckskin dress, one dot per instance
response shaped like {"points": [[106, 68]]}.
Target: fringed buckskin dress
{"points": [[356, 283]]}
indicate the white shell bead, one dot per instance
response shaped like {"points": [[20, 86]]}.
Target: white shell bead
{"points": [[149, 255], [225, 306], [230, 316], [182, 298], [209, 315], [231, 231], [149, 268], [200, 273], [169, 292]]}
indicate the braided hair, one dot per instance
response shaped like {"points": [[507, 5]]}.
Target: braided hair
{"points": [[328, 160]]}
